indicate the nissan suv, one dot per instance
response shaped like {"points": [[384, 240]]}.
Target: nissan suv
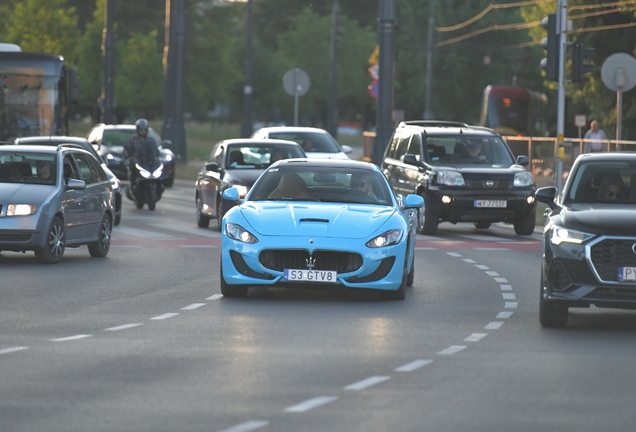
{"points": [[464, 173]]}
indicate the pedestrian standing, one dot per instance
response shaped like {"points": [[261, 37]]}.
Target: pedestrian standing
{"points": [[594, 138]]}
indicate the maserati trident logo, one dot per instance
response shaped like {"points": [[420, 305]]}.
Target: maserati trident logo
{"points": [[490, 183], [634, 248], [311, 262]]}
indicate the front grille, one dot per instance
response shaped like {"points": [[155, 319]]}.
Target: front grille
{"points": [[281, 259], [611, 253], [481, 183]]}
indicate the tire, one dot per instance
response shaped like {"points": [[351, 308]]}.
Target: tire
{"points": [[427, 221], [219, 213], [232, 290], [410, 277], [482, 225], [55, 245], [525, 224], [100, 248], [400, 293], [552, 315], [202, 220], [151, 198], [117, 219]]}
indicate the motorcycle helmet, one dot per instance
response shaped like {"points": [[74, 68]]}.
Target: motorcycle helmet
{"points": [[142, 123]]}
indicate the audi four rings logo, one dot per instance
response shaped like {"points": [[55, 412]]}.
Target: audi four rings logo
{"points": [[490, 183], [634, 248]]}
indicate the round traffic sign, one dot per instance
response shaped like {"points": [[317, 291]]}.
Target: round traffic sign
{"points": [[296, 82], [619, 72], [374, 71], [373, 89]]}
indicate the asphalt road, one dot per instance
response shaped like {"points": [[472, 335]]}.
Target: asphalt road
{"points": [[143, 341]]}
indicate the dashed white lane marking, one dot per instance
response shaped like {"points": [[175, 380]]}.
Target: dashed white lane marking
{"points": [[452, 350], [193, 306], [468, 260], [492, 273], [453, 254], [511, 305], [482, 267], [310, 404], [475, 337], [501, 280], [414, 365], [12, 350], [504, 315], [493, 325], [70, 338], [189, 230], [215, 297], [366, 383], [123, 327], [140, 233], [505, 287], [165, 316], [509, 296], [247, 426]]}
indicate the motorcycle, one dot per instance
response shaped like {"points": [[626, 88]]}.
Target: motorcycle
{"points": [[146, 185]]}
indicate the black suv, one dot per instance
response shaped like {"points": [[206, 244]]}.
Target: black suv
{"points": [[464, 173]]}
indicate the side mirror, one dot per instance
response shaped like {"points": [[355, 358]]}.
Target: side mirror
{"points": [[167, 143], [410, 159], [522, 160], [546, 195], [212, 166], [73, 86], [75, 184], [413, 201], [231, 194], [346, 149]]}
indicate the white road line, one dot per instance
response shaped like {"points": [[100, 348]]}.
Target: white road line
{"points": [[127, 231], [215, 297], [452, 350], [12, 350], [203, 232], [506, 287], [165, 316], [492, 273], [70, 338], [433, 238], [509, 296], [454, 254], [501, 280], [410, 367], [310, 404], [247, 426], [193, 306], [493, 325], [475, 337], [504, 315], [366, 383], [482, 267], [489, 239], [468, 260], [511, 305], [123, 327]]}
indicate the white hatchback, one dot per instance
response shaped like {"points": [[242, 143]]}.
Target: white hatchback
{"points": [[317, 143]]}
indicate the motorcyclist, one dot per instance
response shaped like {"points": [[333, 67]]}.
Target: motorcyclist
{"points": [[139, 148]]}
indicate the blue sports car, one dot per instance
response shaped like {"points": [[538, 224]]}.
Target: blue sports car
{"points": [[319, 223]]}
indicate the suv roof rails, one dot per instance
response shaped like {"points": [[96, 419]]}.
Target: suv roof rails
{"points": [[433, 123]]}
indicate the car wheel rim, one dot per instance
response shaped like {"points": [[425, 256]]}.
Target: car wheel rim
{"points": [[106, 232], [422, 214], [56, 240]]}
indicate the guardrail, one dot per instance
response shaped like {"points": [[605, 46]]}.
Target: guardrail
{"points": [[541, 151]]}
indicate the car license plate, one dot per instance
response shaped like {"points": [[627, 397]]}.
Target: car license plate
{"points": [[323, 276], [491, 203], [626, 273]]}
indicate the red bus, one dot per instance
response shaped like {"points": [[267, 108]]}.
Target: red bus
{"points": [[514, 111]]}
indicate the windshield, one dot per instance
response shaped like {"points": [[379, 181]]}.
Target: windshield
{"points": [[468, 150], [19, 167], [29, 98], [259, 157], [326, 184], [311, 142], [603, 182]]}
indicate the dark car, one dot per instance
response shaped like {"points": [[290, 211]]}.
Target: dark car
{"points": [[236, 163], [590, 238], [52, 198], [84, 144], [110, 140], [464, 173]]}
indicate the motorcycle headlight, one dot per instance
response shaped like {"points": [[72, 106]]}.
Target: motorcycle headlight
{"points": [[523, 179], [142, 171], [237, 232], [157, 173], [21, 209], [450, 178], [385, 239], [565, 235]]}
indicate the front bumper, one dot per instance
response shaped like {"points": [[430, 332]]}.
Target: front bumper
{"points": [[21, 233]]}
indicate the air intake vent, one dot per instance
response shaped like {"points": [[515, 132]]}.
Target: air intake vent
{"points": [[315, 220]]}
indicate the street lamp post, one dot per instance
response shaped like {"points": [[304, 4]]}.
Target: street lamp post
{"points": [[247, 88]]}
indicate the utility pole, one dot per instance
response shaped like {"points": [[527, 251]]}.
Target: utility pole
{"points": [[384, 127], [562, 28], [428, 101], [246, 127], [332, 106], [108, 53]]}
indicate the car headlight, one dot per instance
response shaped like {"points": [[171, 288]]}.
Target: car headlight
{"points": [[237, 232], [386, 239], [21, 209], [561, 235], [242, 190], [523, 179], [114, 183], [167, 158], [450, 178]]}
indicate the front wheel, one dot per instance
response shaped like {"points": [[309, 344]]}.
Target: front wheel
{"points": [[427, 220], [524, 225], [151, 198], [55, 245], [219, 213], [100, 248], [202, 220], [552, 315], [400, 293], [232, 290]]}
